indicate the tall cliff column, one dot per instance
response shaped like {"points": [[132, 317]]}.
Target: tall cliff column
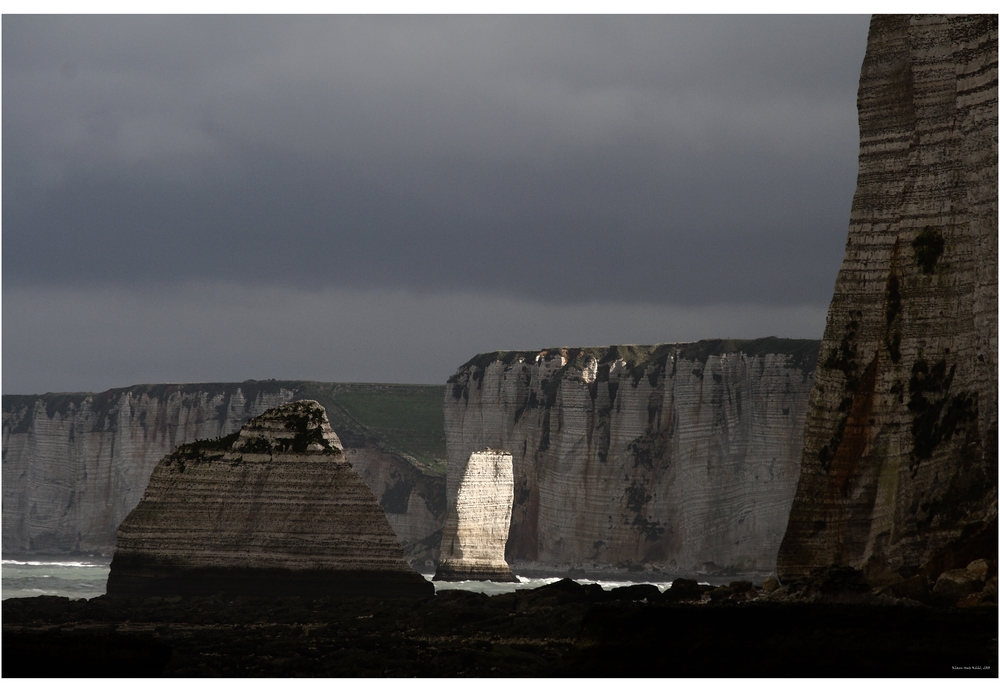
{"points": [[475, 532], [899, 470]]}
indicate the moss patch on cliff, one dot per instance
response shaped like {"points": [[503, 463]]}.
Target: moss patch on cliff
{"points": [[409, 418], [201, 450], [843, 358], [937, 416], [927, 247]]}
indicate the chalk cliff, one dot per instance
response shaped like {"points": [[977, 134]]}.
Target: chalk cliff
{"points": [[74, 465], [475, 533], [273, 508], [678, 456], [899, 469]]}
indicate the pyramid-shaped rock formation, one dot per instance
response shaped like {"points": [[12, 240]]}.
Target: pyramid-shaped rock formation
{"points": [[272, 509], [475, 532]]}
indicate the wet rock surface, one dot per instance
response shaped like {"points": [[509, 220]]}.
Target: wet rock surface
{"points": [[565, 629]]}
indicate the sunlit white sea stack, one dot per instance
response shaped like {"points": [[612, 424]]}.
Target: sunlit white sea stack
{"points": [[475, 532]]}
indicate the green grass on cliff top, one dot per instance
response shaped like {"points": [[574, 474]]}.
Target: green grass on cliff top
{"points": [[405, 418]]}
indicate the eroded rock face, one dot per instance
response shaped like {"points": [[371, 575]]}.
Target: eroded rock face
{"points": [[272, 509], [75, 465], [475, 533], [671, 456], [899, 471]]}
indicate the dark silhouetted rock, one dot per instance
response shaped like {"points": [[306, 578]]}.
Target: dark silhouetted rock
{"points": [[721, 593], [741, 586], [954, 585], [915, 589], [637, 592], [684, 590], [982, 569], [990, 590]]}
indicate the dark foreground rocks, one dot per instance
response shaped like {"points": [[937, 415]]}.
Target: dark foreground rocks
{"points": [[561, 630]]}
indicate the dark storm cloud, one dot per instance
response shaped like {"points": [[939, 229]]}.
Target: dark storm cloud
{"points": [[671, 160], [74, 340]]}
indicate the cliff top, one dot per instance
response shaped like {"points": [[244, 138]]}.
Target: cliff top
{"points": [[804, 352]]}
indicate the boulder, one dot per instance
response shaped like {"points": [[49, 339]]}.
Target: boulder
{"points": [[990, 590], [721, 593], [770, 584], [982, 569], [915, 589], [834, 584], [637, 592], [683, 590], [954, 585], [970, 601], [741, 586]]}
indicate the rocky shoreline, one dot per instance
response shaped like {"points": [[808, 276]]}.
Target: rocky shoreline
{"points": [[565, 629]]}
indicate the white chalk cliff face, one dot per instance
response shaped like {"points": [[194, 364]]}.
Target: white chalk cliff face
{"points": [[899, 470], [684, 457], [274, 508], [475, 533], [74, 465]]}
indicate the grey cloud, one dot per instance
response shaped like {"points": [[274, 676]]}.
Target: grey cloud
{"points": [[71, 340], [684, 163]]}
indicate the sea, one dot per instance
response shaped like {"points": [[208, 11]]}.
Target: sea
{"points": [[87, 577], [40, 575]]}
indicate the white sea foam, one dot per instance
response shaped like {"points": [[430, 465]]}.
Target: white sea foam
{"points": [[33, 563], [494, 588]]}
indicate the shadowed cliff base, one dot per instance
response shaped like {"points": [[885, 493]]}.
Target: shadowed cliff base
{"points": [[560, 630]]}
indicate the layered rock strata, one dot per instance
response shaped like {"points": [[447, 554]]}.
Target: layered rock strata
{"points": [[677, 456], [475, 533], [272, 509], [74, 465], [899, 469]]}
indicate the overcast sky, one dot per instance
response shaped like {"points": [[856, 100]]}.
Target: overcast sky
{"points": [[378, 199]]}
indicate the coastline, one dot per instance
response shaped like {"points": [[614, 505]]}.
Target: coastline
{"points": [[563, 629]]}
